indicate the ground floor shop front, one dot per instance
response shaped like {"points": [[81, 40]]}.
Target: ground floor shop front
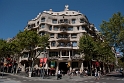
{"points": [[51, 67]]}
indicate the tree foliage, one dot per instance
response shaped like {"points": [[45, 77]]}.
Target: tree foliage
{"points": [[3, 48], [96, 49], [29, 40], [113, 30], [86, 45]]}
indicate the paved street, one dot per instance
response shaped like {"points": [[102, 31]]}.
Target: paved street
{"points": [[110, 78]]}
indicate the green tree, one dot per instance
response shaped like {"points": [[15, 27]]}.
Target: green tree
{"points": [[29, 40], [87, 46], [3, 52], [113, 30], [14, 52], [3, 48]]}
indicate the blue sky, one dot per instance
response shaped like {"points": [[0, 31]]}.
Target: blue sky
{"points": [[14, 14]]}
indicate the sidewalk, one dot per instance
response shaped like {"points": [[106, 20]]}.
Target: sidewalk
{"points": [[7, 80], [54, 78]]}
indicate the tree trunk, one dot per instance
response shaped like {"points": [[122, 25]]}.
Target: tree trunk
{"points": [[90, 64]]}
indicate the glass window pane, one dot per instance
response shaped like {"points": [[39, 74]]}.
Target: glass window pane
{"points": [[73, 21], [74, 44], [55, 28], [54, 21], [70, 28]]}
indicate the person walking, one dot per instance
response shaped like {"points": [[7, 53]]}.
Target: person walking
{"points": [[59, 75], [97, 75]]}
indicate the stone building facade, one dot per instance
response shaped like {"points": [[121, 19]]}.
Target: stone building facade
{"points": [[65, 29]]}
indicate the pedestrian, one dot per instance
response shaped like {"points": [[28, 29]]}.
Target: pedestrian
{"points": [[97, 75], [59, 75]]}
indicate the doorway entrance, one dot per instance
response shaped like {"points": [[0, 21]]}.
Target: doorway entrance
{"points": [[63, 67]]}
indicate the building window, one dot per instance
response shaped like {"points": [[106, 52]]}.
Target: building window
{"points": [[56, 28], [82, 20], [68, 44], [31, 25], [73, 35], [65, 20], [63, 29], [38, 23], [73, 21], [50, 28], [51, 35], [42, 33], [53, 43], [74, 44], [42, 19], [83, 28], [62, 44], [60, 35], [54, 21], [77, 28], [70, 28], [42, 26], [53, 54]]}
